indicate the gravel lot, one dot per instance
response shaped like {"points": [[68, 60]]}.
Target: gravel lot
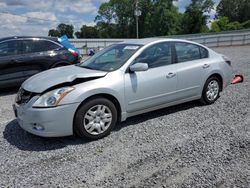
{"points": [[188, 145]]}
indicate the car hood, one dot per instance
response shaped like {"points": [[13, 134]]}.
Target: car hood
{"points": [[56, 76]]}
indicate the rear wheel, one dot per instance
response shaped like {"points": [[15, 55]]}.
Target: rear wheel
{"points": [[211, 90], [95, 119]]}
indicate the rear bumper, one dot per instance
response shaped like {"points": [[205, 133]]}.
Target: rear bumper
{"points": [[228, 76]]}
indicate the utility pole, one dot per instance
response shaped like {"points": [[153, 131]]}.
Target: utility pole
{"points": [[137, 14]]}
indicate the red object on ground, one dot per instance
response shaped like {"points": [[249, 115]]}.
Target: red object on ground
{"points": [[237, 79]]}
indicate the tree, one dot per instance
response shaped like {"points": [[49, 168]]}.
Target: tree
{"points": [[105, 21], [118, 12], [87, 32], [215, 27], [53, 33], [62, 29], [159, 17], [163, 19], [234, 25], [194, 19], [223, 24], [234, 10], [246, 24]]}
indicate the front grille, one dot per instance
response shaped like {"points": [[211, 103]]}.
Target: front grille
{"points": [[23, 96]]}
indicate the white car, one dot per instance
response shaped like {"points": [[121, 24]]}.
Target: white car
{"points": [[118, 82]]}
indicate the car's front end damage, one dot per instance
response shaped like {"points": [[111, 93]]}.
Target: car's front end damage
{"points": [[42, 105]]}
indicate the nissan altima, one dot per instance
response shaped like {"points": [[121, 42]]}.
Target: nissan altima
{"points": [[122, 80]]}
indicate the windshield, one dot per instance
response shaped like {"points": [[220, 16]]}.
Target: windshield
{"points": [[111, 58]]}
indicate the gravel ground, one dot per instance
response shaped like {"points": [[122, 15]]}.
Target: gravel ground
{"points": [[188, 145]]}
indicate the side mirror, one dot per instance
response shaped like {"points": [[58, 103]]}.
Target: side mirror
{"points": [[138, 67]]}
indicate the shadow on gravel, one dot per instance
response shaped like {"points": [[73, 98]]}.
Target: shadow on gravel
{"points": [[23, 140], [8, 91], [158, 113]]}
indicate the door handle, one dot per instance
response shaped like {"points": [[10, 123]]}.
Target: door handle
{"points": [[170, 75], [205, 66]]}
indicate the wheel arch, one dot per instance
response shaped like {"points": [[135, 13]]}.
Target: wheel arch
{"points": [[110, 97]]}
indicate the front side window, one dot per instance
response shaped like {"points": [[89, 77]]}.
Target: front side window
{"points": [[12, 47], [187, 52], [111, 58], [156, 55]]}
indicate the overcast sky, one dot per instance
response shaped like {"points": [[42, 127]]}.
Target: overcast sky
{"points": [[36, 17]]}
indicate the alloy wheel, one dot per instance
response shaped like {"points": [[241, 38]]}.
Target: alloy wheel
{"points": [[212, 90], [97, 119]]}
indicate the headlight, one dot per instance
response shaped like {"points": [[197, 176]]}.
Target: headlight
{"points": [[52, 98]]}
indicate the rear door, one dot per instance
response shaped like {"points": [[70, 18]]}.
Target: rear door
{"points": [[39, 55], [11, 70], [192, 65]]}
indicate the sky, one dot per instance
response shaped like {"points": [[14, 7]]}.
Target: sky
{"points": [[36, 17]]}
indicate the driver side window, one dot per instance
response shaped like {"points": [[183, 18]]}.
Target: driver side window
{"points": [[156, 55]]}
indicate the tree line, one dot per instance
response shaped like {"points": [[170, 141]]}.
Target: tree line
{"points": [[115, 19]]}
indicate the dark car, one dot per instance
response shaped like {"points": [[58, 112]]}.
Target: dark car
{"points": [[22, 57]]}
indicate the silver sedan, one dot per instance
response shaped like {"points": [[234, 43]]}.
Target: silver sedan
{"points": [[123, 80]]}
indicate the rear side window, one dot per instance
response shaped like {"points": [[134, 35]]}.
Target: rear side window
{"points": [[188, 52], [204, 53], [12, 47], [31, 46], [48, 45]]}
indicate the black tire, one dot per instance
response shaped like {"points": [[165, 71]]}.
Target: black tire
{"points": [[205, 98], [79, 120]]}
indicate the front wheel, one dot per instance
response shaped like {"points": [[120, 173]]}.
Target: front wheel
{"points": [[95, 119], [211, 90]]}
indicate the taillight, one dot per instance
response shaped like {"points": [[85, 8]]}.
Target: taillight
{"points": [[74, 53], [227, 60]]}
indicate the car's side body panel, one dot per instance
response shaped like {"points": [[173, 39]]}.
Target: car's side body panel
{"points": [[149, 88]]}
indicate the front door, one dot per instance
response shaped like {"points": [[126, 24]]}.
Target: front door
{"points": [[11, 60], [155, 86]]}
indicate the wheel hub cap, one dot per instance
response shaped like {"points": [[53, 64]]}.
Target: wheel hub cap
{"points": [[97, 119], [212, 90]]}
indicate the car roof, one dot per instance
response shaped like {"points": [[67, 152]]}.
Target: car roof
{"points": [[146, 41], [28, 37]]}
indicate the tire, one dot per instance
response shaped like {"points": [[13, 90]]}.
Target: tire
{"points": [[211, 90], [95, 119]]}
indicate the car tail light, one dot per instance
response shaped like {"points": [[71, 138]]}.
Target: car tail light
{"points": [[227, 60], [74, 53]]}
